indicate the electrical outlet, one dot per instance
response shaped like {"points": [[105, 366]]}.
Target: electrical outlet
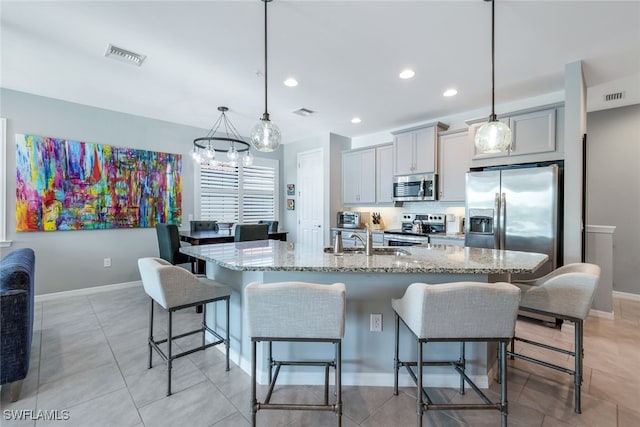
{"points": [[107, 262], [375, 323]]}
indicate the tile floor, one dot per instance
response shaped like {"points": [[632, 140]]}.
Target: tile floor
{"points": [[89, 358]]}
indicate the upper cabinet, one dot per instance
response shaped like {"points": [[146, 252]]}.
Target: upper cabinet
{"points": [[415, 150], [455, 151], [359, 176], [367, 176], [384, 174], [537, 134]]}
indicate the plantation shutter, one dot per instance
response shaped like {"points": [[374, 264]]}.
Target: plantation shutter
{"points": [[258, 193], [219, 193], [239, 194]]}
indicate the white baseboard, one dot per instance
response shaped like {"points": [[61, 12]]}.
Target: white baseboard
{"points": [[86, 291], [626, 295], [601, 314]]}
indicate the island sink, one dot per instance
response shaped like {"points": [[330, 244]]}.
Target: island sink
{"points": [[379, 250]]}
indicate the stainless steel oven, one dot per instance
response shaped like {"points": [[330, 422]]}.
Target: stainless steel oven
{"points": [[398, 239]]}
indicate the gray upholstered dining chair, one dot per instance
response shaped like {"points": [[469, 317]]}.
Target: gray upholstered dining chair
{"points": [[458, 312], [566, 293], [248, 232], [195, 226], [174, 288], [273, 225], [296, 312], [169, 245]]}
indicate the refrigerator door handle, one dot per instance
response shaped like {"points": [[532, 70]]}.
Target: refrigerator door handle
{"points": [[503, 223], [497, 232]]}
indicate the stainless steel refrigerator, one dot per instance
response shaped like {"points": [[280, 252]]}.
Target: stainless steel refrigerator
{"points": [[515, 208]]}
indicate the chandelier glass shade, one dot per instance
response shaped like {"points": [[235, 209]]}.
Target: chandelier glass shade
{"points": [[226, 140], [494, 136], [265, 135]]}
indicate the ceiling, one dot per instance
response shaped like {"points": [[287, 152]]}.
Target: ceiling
{"points": [[346, 55]]}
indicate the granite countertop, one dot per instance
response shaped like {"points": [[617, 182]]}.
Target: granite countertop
{"points": [[273, 255]]}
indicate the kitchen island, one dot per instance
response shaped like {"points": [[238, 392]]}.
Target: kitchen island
{"points": [[371, 282]]}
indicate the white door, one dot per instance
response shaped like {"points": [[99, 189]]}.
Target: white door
{"points": [[310, 203]]}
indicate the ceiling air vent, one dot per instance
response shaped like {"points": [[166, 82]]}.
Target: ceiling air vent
{"points": [[116, 52], [304, 112], [614, 96]]}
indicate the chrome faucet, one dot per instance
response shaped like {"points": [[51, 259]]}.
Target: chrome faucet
{"points": [[368, 244]]}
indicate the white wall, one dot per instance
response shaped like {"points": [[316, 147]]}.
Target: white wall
{"points": [[68, 260], [613, 187]]}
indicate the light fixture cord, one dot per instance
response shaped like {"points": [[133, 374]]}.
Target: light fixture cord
{"points": [[493, 64], [266, 73]]}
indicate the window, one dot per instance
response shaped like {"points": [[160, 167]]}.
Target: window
{"points": [[239, 194]]}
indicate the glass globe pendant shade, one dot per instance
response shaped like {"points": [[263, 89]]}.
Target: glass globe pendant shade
{"points": [[195, 155], [493, 137], [210, 154], [247, 159], [232, 154], [265, 136]]}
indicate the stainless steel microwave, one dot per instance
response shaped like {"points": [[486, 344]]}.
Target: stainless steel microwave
{"points": [[412, 188]]}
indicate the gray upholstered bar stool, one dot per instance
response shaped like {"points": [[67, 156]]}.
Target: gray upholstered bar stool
{"points": [[296, 312], [458, 312], [174, 288], [566, 293]]}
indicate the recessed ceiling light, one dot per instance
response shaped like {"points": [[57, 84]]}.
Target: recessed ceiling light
{"points": [[356, 120], [450, 92], [291, 82], [407, 74]]}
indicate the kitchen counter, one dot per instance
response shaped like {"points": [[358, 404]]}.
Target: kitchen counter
{"points": [[371, 282], [272, 255]]}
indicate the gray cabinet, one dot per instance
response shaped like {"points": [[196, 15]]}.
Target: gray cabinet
{"points": [[454, 161], [367, 176], [446, 241], [415, 150], [384, 174], [359, 177], [536, 135]]}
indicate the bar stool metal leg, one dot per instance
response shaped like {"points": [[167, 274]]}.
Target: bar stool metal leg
{"points": [[254, 400], [339, 382], [419, 404], [227, 342], [579, 353], [169, 355], [396, 366], [502, 356], [150, 330]]}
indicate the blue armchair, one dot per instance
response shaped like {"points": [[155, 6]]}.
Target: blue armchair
{"points": [[16, 317]]}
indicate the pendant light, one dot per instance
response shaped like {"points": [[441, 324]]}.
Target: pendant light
{"points": [[494, 136], [265, 135]]}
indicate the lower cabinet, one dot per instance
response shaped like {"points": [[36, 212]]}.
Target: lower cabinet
{"points": [[447, 241]]}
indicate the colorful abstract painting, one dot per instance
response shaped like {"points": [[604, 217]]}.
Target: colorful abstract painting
{"points": [[73, 185]]}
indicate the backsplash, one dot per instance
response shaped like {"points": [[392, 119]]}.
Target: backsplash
{"points": [[392, 216]]}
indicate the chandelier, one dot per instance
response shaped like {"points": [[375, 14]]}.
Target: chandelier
{"points": [[227, 140]]}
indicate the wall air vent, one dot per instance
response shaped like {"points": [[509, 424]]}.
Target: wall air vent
{"points": [[616, 96], [124, 55], [304, 112]]}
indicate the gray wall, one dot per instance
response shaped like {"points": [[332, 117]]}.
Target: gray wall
{"points": [[613, 187], [69, 260]]}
